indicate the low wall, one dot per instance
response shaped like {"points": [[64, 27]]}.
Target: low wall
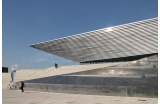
{"points": [[130, 91]]}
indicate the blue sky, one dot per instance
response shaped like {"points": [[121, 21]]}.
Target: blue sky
{"points": [[26, 22]]}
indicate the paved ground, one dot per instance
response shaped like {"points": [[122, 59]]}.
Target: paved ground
{"points": [[34, 97]]}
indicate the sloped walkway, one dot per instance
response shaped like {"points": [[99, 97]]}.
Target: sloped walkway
{"points": [[40, 73]]}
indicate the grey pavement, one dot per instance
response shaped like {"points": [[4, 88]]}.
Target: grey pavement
{"points": [[35, 97]]}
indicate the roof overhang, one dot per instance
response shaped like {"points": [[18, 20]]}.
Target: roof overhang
{"points": [[131, 39]]}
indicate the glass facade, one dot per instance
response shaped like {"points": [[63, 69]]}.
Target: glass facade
{"points": [[121, 59]]}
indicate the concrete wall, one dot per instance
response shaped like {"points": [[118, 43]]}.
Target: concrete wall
{"points": [[130, 91]]}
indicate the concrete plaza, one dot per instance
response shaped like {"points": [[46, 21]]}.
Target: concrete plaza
{"points": [[35, 97]]}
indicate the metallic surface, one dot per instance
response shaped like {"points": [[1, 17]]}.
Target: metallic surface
{"points": [[137, 38]]}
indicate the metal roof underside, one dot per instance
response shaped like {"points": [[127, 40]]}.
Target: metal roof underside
{"points": [[131, 39]]}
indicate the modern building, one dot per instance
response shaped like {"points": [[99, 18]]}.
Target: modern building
{"points": [[125, 42]]}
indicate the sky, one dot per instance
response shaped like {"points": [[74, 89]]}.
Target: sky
{"points": [[26, 22]]}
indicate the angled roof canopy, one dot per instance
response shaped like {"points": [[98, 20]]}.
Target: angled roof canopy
{"points": [[131, 39]]}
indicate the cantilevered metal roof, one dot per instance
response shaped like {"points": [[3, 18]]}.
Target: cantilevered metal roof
{"points": [[137, 38]]}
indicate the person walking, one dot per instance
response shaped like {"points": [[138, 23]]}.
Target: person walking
{"points": [[22, 86], [56, 65]]}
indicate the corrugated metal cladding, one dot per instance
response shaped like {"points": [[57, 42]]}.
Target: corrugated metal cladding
{"points": [[137, 38]]}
